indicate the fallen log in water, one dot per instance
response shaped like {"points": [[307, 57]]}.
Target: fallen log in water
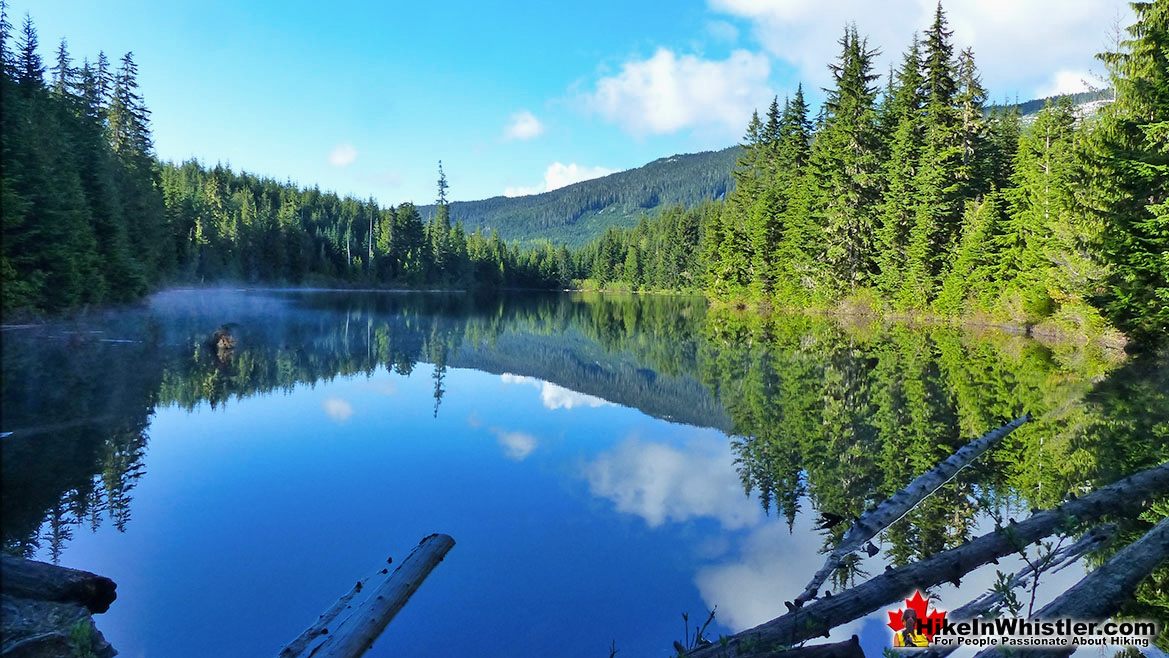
{"points": [[47, 629], [350, 626], [889, 511], [987, 603], [817, 618], [850, 648], [42, 581], [1101, 593], [45, 610]]}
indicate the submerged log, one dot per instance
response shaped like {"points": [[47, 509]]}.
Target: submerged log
{"points": [[1129, 495], [42, 581], [898, 505], [1101, 593], [350, 626]]}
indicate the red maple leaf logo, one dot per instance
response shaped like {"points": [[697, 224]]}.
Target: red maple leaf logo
{"points": [[929, 619]]}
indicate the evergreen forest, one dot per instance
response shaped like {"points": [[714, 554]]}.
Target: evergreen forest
{"points": [[908, 196]]}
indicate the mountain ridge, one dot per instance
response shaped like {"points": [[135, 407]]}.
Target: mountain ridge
{"points": [[577, 213]]}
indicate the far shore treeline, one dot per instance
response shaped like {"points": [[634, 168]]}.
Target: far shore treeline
{"points": [[906, 196]]}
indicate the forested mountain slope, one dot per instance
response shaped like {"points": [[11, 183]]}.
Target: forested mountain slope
{"points": [[576, 213]]}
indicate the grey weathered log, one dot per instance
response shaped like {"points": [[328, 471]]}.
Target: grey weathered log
{"points": [[987, 603], [48, 629], [1129, 495], [850, 648], [350, 626], [901, 503], [1101, 593], [42, 581]]}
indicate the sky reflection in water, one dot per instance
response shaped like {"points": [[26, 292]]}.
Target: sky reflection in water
{"points": [[578, 520]]}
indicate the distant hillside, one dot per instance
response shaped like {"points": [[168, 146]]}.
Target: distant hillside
{"points": [[581, 211], [1084, 99]]}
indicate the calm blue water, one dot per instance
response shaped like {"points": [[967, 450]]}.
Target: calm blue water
{"points": [[579, 451]]}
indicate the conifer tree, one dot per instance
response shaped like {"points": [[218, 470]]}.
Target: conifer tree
{"points": [[731, 272], [7, 59], [937, 210], [1126, 177], [971, 175], [63, 71], [900, 170], [845, 158], [30, 68]]}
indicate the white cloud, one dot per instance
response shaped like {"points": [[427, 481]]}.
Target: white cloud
{"points": [[668, 93], [553, 396], [1013, 55], [660, 483], [516, 445], [337, 409], [1069, 82], [523, 125], [558, 175], [342, 155]]}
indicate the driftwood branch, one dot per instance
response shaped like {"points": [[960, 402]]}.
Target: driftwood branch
{"points": [[892, 509], [29, 579], [1102, 592], [350, 626], [817, 618]]}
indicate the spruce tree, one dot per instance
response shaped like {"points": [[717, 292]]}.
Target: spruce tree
{"points": [[899, 173], [937, 203], [1126, 177], [29, 66], [731, 273], [970, 101], [64, 82], [7, 59], [845, 158]]}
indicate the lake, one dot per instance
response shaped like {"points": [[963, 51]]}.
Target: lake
{"points": [[604, 462]]}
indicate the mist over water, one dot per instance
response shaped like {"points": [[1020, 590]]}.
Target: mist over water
{"points": [[603, 462]]}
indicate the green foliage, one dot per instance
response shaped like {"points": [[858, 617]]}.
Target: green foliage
{"points": [[1125, 175], [943, 207], [80, 214]]}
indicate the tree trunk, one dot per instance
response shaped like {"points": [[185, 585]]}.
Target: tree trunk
{"points": [[1125, 496], [29, 579], [892, 509]]}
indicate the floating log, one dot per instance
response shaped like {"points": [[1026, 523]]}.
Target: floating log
{"points": [[1129, 495], [1101, 593], [350, 626], [899, 504], [850, 648], [30, 579]]}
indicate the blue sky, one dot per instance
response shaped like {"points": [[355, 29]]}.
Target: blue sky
{"points": [[366, 97]]}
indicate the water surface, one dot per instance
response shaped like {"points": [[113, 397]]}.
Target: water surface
{"points": [[603, 463]]}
